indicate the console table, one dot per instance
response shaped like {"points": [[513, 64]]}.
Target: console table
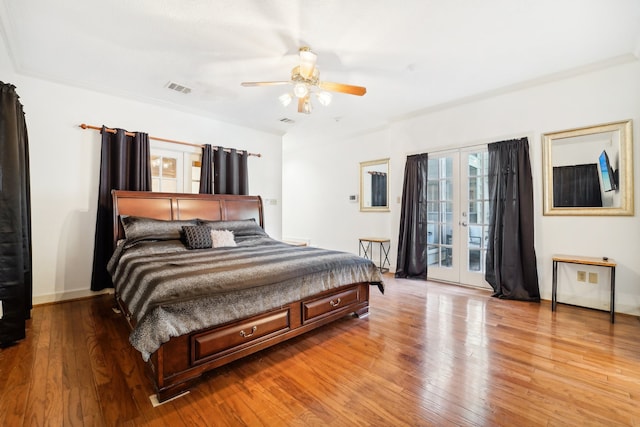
{"points": [[366, 247], [600, 262]]}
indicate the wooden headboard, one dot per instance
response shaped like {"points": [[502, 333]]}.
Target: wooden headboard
{"points": [[173, 206]]}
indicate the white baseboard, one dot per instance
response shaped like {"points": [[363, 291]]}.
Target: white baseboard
{"points": [[67, 296]]}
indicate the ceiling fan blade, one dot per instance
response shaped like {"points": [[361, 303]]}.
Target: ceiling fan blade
{"points": [[340, 87], [250, 84]]}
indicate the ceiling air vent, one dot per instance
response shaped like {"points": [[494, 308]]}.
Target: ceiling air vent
{"points": [[178, 87], [286, 120]]}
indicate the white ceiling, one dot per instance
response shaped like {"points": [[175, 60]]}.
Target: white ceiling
{"points": [[412, 55]]}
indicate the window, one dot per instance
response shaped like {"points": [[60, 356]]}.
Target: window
{"points": [[174, 170]]}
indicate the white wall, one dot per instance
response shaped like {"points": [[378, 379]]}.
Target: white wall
{"points": [[593, 98], [65, 164], [317, 179]]}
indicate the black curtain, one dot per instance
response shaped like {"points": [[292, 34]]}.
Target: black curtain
{"points": [[230, 171], [378, 189], [206, 170], [412, 241], [511, 259], [124, 165], [576, 186], [15, 218]]}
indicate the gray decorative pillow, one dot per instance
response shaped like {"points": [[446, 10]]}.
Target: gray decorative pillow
{"points": [[197, 236], [240, 228], [137, 228]]}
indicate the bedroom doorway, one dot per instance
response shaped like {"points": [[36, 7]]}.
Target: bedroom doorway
{"points": [[458, 215]]}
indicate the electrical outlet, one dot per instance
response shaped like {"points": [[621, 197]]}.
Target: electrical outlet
{"points": [[593, 278], [582, 276]]}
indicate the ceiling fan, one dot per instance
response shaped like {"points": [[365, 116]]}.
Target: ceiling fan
{"points": [[305, 79]]}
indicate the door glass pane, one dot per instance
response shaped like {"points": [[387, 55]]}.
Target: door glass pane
{"points": [[440, 212], [195, 170], [433, 169], [487, 213], [445, 234], [447, 190], [432, 211], [475, 164], [475, 261], [475, 236], [477, 213], [447, 165], [447, 257], [163, 173], [195, 165], [155, 165], [169, 167]]}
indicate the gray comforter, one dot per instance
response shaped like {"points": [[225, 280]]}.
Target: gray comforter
{"points": [[171, 291]]}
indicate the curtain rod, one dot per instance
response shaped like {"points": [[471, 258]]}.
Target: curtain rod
{"points": [[86, 126]]}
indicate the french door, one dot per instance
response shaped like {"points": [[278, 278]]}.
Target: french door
{"points": [[458, 215]]}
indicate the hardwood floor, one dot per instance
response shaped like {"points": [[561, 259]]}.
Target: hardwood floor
{"points": [[428, 354]]}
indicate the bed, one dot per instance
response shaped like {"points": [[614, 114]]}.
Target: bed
{"points": [[193, 307]]}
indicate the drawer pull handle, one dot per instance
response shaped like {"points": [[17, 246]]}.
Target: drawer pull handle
{"points": [[335, 303], [247, 335]]}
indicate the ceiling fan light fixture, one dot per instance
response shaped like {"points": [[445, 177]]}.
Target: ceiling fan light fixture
{"points": [[285, 99], [324, 98], [300, 90], [306, 108], [307, 62], [305, 79]]}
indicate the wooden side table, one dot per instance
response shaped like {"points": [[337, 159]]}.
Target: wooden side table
{"points": [[600, 262], [295, 243], [366, 247]]}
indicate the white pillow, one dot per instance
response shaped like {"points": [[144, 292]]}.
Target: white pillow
{"points": [[222, 238]]}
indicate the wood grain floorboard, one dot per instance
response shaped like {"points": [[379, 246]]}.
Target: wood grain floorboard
{"points": [[16, 364], [428, 354]]}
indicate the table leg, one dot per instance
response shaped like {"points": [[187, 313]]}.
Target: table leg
{"points": [[613, 293], [554, 285], [386, 256], [366, 249]]}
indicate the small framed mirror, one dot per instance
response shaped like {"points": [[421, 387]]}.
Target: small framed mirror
{"points": [[589, 171], [374, 186]]}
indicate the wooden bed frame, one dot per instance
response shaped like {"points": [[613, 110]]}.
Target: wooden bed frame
{"points": [[178, 363]]}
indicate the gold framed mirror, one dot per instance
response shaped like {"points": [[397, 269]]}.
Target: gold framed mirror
{"points": [[374, 186], [589, 170]]}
